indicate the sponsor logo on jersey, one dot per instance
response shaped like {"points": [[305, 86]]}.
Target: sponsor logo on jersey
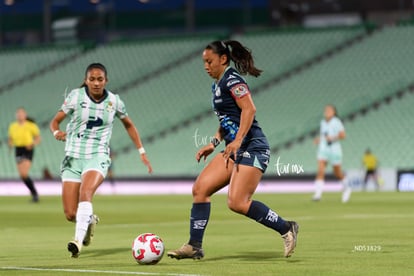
{"points": [[239, 90], [232, 82], [84, 104], [231, 77]]}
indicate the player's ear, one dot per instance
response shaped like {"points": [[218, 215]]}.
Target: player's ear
{"points": [[223, 60]]}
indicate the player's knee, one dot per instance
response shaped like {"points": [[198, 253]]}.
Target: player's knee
{"points": [[199, 189], [236, 206]]}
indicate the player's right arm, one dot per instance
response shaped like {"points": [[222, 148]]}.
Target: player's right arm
{"points": [[54, 126], [67, 107]]}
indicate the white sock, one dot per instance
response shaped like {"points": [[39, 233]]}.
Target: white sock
{"points": [[346, 192], [83, 218], [319, 183]]}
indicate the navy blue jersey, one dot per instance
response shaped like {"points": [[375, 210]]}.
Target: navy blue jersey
{"points": [[226, 92]]}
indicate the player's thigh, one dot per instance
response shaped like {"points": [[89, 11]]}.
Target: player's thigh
{"points": [[93, 173], [70, 199], [212, 178], [322, 167], [91, 180], [243, 184]]}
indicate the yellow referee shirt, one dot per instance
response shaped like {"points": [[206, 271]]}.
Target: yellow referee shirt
{"points": [[22, 135], [370, 161]]}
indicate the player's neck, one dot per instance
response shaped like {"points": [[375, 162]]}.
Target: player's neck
{"points": [[222, 74]]}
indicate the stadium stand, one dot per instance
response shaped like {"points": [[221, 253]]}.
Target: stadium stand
{"points": [[167, 96], [128, 62], [279, 52], [384, 129], [28, 63]]}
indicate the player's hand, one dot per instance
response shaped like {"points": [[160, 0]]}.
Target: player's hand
{"points": [[204, 152], [231, 149], [146, 162], [60, 136]]}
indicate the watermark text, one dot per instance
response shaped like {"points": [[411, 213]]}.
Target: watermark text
{"points": [[287, 168]]}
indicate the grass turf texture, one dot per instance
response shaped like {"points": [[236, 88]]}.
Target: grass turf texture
{"points": [[371, 235]]}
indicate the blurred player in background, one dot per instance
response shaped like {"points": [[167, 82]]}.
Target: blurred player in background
{"points": [[92, 110], [24, 136], [330, 151], [370, 162], [245, 157]]}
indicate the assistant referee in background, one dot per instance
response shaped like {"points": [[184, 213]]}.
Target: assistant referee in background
{"points": [[24, 135]]}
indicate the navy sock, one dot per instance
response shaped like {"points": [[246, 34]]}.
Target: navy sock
{"points": [[262, 214], [30, 185], [200, 214]]}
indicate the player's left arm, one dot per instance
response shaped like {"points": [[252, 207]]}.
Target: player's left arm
{"points": [[136, 139], [36, 136], [248, 110], [341, 133], [10, 139]]}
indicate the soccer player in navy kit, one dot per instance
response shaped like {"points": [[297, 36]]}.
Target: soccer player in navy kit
{"points": [[245, 157]]}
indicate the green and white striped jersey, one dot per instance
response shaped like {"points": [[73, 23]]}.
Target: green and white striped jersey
{"points": [[90, 127]]}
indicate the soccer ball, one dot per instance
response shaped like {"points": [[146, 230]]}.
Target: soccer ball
{"points": [[147, 248]]}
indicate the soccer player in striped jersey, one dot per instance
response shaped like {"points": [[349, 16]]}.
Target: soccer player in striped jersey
{"points": [[24, 135], [332, 131], [92, 110], [246, 154]]}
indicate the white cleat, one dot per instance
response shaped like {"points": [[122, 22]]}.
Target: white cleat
{"points": [[91, 230], [74, 247], [290, 239]]}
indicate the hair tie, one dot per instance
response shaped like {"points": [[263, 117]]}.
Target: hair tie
{"points": [[223, 44]]}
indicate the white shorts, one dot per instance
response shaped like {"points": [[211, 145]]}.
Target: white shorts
{"points": [[73, 168], [332, 156]]}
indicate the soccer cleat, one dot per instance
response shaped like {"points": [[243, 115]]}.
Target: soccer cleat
{"points": [[35, 199], [346, 194], [91, 230], [290, 238], [186, 251], [316, 199], [74, 247]]}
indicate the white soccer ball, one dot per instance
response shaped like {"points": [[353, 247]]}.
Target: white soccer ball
{"points": [[147, 248]]}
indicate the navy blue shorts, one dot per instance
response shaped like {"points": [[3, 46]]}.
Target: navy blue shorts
{"points": [[254, 153]]}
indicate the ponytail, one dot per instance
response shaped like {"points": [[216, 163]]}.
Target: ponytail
{"points": [[236, 52]]}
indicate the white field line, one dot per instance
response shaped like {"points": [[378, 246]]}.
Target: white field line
{"points": [[92, 271]]}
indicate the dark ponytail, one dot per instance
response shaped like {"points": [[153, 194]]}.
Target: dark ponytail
{"points": [[236, 52], [91, 66]]}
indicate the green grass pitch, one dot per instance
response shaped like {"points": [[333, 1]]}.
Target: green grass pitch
{"points": [[371, 235]]}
